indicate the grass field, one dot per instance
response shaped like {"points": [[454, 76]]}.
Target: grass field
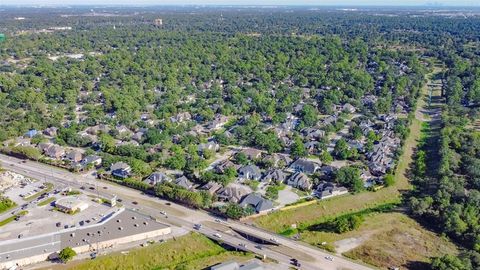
{"points": [[192, 251], [12, 218], [46, 201], [394, 239]]}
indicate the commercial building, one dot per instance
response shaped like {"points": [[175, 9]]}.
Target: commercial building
{"points": [[71, 204]]}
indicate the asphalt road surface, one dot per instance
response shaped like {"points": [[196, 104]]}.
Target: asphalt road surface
{"points": [[184, 217]]}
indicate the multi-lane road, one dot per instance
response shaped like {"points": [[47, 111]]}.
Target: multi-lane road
{"points": [[177, 215]]}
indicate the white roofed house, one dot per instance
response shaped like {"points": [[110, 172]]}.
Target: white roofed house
{"points": [[92, 159], [300, 180]]}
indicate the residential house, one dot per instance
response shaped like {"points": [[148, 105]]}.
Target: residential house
{"points": [[218, 122], [181, 117], [91, 159], [330, 120], [278, 160], [348, 108], [249, 172], [260, 204], [123, 130], [300, 180], [55, 152], [212, 146], [252, 153], [211, 187], [51, 131], [120, 169], [277, 176], [291, 122], [184, 182], [233, 193], [31, 133], [327, 189], [305, 166], [157, 178], [74, 156], [222, 166], [138, 136], [312, 147], [313, 133]]}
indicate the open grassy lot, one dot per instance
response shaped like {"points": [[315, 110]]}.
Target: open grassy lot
{"points": [[192, 251], [46, 201], [394, 239]]}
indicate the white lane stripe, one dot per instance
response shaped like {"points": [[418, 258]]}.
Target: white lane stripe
{"points": [[27, 248]]}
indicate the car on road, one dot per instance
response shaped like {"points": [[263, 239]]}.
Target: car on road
{"points": [[168, 203], [91, 188], [329, 258], [105, 187], [217, 235], [197, 226], [259, 247], [243, 245], [82, 187], [135, 202], [163, 213], [20, 236]]}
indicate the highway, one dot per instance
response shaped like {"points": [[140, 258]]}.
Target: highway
{"points": [[178, 215]]}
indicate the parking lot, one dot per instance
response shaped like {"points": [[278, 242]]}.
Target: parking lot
{"points": [[44, 218]]}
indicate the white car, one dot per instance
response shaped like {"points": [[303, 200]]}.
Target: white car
{"points": [[329, 258], [243, 245], [217, 235]]}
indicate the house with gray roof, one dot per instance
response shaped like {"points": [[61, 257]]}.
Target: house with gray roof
{"points": [[211, 187], [260, 204], [184, 182], [276, 175], [305, 166], [328, 189], [74, 156], [278, 160], [249, 172], [300, 180], [157, 178], [233, 193]]}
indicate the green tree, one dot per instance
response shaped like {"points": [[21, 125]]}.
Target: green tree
{"points": [[67, 254], [349, 177]]}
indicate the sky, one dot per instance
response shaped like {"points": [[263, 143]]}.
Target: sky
{"points": [[246, 2]]}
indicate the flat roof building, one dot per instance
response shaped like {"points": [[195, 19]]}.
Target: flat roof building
{"points": [[71, 204]]}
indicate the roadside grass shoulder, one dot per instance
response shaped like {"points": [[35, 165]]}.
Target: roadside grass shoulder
{"points": [[192, 251]]}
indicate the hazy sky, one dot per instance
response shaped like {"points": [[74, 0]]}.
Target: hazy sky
{"points": [[244, 2]]}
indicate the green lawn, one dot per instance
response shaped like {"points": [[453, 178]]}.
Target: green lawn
{"points": [[12, 218], [6, 204], [192, 251], [46, 201]]}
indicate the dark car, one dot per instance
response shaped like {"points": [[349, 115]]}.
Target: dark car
{"points": [[168, 203], [134, 202]]}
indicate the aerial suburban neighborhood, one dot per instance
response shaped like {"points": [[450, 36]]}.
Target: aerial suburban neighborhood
{"points": [[218, 137]]}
